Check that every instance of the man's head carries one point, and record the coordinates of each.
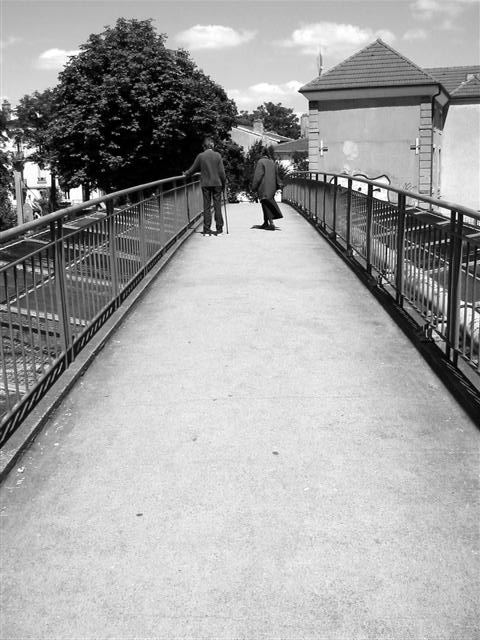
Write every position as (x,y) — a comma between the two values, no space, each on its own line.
(208,143)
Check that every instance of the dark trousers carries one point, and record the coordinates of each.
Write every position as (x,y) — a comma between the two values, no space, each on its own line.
(212,194)
(270,210)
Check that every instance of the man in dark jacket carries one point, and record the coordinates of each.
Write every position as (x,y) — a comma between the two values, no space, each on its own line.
(212,181)
(266,183)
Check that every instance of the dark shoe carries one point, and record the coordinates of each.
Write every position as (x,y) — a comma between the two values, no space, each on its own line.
(263,226)
(219,231)
(208,232)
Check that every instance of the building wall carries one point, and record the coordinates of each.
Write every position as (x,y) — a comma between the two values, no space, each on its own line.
(460,164)
(246,139)
(374,141)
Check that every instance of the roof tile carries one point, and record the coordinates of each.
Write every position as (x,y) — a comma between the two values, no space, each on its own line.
(377,65)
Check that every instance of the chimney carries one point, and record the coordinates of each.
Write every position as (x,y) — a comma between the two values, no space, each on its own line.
(7,109)
(258,126)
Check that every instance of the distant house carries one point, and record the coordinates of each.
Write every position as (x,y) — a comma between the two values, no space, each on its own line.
(34,182)
(246,136)
(379,115)
(286,151)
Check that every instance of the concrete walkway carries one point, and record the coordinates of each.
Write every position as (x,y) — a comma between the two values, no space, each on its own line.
(258,453)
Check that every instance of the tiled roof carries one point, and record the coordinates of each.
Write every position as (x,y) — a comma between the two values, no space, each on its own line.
(295,145)
(377,65)
(269,134)
(452,77)
(468,89)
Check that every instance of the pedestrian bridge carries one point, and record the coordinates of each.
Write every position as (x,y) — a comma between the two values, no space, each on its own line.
(257,449)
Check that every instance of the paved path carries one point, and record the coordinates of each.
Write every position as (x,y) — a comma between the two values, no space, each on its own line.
(258,453)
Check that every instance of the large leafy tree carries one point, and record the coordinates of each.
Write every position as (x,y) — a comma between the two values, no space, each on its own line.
(276,118)
(130,111)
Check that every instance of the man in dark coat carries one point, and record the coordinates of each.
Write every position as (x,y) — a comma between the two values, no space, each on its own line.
(266,183)
(212,181)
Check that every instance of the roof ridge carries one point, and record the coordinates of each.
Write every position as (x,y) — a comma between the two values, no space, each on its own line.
(473,80)
(407,60)
(339,67)
(463,66)
(340,64)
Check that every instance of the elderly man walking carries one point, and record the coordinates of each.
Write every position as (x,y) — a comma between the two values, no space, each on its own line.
(212,181)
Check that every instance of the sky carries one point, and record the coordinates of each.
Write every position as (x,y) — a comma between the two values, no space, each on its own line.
(257,50)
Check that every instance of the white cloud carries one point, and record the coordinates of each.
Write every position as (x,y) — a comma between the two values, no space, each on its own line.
(212,36)
(444,10)
(415,34)
(10,41)
(336,40)
(54,59)
(255,95)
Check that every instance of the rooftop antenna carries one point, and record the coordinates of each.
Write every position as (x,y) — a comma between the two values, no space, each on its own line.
(320,62)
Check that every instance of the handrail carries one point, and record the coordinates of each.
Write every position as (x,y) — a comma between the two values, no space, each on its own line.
(426,257)
(21,229)
(57,292)
(472,213)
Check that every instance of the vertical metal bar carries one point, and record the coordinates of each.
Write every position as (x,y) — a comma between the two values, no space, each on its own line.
(12,340)
(161,216)
(141,229)
(456,225)
(400,250)
(369,228)
(324,196)
(112,254)
(60,288)
(316,197)
(349,214)
(334,221)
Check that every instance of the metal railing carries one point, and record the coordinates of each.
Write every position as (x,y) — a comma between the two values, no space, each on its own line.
(62,276)
(422,250)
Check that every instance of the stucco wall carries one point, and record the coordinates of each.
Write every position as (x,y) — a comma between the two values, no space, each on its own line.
(373,141)
(460,169)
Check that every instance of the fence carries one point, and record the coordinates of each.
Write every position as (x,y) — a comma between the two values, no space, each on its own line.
(62,276)
(422,250)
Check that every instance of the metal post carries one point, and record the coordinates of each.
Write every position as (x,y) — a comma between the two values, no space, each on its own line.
(142,229)
(56,233)
(309,187)
(316,197)
(161,219)
(324,197)
(400,250)
(453,307)
(369,228)
(186,199)
(335,184)
(112,251)
(349,215)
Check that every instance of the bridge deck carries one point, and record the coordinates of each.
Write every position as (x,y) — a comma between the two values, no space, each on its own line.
(259,452)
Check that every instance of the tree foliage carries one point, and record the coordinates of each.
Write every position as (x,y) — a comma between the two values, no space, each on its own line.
(35,118)
(234,163)
(7,214)
(129,111)
(276,118)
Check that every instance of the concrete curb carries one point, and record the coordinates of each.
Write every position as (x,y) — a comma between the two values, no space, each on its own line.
(33,424)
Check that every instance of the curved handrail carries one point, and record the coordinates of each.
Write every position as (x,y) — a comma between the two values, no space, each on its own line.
(473,213)
(21,229)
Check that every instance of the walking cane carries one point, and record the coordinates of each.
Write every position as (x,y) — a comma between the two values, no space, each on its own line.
(225,208)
